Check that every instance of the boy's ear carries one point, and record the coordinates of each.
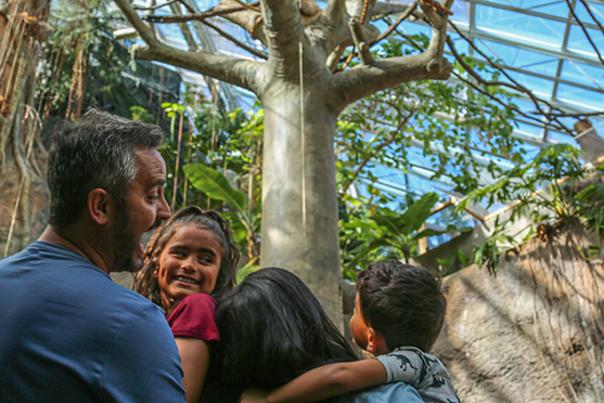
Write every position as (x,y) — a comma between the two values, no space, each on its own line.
(372,336)
(376,344)
(100,205)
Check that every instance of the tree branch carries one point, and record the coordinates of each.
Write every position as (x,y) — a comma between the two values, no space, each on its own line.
(572,115)
(335,11)
(241,72)
(362,9)
(381,10)
(184,29)
(488,83)
(285,31)
(536,121)
(591,14)
(359,41)
(173,19)
(585,31)
(156,7)
(377,150)
(518,87)
(395,24)
(237,42)
(250,19)
(362,81)
(143,30)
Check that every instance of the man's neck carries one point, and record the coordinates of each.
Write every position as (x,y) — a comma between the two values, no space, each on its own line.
(76,243)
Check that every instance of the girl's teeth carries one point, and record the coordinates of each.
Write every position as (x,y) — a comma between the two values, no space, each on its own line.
(186,280)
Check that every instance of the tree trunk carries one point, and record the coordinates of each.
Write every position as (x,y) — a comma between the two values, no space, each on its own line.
(299,211)
(299,190)
(24,193)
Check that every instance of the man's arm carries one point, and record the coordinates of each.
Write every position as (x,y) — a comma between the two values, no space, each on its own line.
(330,380)
(142,363)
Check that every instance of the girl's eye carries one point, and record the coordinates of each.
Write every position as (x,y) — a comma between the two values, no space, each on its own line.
(205,260)
(179,253)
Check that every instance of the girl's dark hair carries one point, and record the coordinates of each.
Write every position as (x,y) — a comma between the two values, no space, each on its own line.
(404,303)
(272,329)
(146,280)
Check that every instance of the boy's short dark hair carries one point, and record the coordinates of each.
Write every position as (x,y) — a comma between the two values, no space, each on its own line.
(402,302)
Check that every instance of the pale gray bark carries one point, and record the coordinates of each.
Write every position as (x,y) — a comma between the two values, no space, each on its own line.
(299,214)
(249,20)
(238,71)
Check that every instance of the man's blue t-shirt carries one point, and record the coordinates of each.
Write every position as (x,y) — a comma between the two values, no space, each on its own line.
(69,334)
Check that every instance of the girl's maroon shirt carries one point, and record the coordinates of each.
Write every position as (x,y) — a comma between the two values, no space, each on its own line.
(195,316)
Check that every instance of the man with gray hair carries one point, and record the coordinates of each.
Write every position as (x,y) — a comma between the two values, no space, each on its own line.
(69,333)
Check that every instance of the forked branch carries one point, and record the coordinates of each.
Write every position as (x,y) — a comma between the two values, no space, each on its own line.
(238,71)
(362,81)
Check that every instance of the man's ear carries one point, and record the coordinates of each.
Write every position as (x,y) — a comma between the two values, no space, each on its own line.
(376,344)
(100,206)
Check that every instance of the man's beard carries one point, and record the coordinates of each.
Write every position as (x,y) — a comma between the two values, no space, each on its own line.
(124,242)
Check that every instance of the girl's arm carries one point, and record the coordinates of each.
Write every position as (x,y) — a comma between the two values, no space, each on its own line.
(194,359)
(330,380)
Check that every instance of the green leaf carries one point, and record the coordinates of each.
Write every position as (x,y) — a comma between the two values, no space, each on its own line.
(215,185)
(417,213)
(427,233)
(364,249)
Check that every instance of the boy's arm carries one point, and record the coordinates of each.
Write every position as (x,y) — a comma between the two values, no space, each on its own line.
(403,365)
(330,380)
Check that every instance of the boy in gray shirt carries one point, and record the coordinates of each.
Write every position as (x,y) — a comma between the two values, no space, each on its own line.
(399,312)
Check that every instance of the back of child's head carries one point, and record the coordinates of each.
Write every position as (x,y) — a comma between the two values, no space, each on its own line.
(146,282)
(272,329)
(403,303)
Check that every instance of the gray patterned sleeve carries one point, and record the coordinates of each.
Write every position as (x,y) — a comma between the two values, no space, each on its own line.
(405,366)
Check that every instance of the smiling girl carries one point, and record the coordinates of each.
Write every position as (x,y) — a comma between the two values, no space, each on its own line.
(188,260)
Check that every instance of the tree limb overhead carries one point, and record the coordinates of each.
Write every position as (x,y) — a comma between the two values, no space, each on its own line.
(362,81)
(238,71)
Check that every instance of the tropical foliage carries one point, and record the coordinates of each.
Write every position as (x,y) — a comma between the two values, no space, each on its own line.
(214,156)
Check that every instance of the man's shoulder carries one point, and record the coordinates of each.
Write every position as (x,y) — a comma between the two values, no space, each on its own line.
(62,275)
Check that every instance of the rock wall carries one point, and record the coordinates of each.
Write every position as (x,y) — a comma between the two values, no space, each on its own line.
(532,333)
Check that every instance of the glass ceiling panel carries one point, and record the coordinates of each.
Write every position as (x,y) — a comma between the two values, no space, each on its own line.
(578,41)
(583,74)
(415,29)
(558,137)
(555,8)
(519,26)
(461,45)
(461,12)
(529,131)
(596,9)
(520,58)
(580,97)
(539,86)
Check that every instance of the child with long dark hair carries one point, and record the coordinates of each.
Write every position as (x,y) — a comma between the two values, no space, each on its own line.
(273,329)
(399,312)
(188,260)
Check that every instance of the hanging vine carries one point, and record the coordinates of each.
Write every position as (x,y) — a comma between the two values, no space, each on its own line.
(22,30)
